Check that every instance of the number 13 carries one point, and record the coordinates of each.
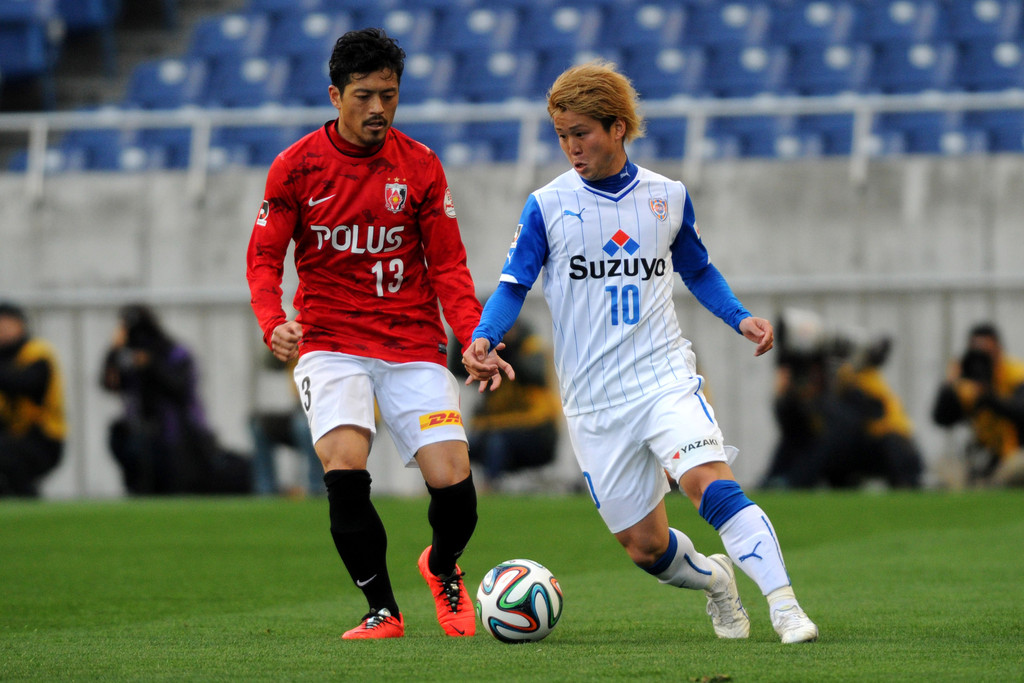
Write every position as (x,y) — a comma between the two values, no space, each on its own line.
(396,267)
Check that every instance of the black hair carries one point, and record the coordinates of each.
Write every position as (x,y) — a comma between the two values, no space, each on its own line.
(985,330)
(362,52)
(143,329)
(9,309)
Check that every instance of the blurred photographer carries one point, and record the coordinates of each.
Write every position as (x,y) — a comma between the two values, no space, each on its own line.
(32,426)
(162,441)
(986,388)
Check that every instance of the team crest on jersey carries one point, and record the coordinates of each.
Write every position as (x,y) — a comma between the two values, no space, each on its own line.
(261,217)
(395,195)
(659,207)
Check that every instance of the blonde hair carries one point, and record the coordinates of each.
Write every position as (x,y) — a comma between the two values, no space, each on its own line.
(597,89)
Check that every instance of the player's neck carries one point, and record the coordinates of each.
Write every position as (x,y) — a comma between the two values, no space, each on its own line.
(616,181)
(348,148)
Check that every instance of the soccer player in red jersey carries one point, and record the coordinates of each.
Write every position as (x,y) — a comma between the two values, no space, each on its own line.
(377,246)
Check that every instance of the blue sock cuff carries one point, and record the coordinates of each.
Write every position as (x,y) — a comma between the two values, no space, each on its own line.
(721,501)
(662,563)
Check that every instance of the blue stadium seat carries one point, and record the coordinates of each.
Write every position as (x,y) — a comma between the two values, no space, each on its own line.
(834,131)
(30,45)
(251,145)
(554,60)
(665,139)
(97,17)
(663,72)
(229,36)
(307,83)
(814,21)
(297,34)
(644,25)
(766,136)
(817,69)
(104,150)
(731,23)
(166,84)
(484,76)
(748,71)
(933,132)
(428,76)
(571,26)
(914,67)
(1004,129)
(415,28)
(479,28)
(903,21)
(991,65)
(246,82)
(276,9)
(166,148)
(499,140)
(988,19)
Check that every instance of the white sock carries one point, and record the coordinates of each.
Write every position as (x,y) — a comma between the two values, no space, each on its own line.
(687,568)
(750,540)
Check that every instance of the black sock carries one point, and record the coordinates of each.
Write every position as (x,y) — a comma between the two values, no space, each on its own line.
(452,516)
(359,535)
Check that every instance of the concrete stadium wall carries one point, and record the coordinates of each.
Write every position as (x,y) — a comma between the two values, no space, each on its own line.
(98,240)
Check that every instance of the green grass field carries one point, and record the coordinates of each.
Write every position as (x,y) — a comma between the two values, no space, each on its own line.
(918,586)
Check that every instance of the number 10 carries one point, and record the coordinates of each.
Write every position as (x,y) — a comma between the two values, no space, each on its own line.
(630,304)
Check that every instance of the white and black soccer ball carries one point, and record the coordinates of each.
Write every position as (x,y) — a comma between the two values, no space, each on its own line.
(519,601)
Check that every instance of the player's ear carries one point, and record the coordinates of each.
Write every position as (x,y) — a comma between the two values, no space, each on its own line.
(335,95)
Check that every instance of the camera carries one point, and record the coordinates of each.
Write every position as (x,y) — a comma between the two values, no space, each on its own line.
(976,365)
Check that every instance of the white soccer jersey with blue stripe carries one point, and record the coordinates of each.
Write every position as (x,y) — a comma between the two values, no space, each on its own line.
(608,262)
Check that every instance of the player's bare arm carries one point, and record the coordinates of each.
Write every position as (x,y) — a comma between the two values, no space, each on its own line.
(759,331)
(284,341)
(484,365)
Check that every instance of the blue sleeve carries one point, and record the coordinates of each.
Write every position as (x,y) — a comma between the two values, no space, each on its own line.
(529,249)
(690,259)
(714,293)
(500,312)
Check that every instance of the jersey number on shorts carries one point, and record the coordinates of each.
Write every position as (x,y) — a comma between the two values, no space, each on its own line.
(625,301)
(307,402)
(395,273)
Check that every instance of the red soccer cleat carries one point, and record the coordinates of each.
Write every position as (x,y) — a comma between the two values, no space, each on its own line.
(455,611)
(377,624)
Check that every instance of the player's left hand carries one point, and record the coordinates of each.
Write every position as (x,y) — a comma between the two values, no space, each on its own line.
(759,331)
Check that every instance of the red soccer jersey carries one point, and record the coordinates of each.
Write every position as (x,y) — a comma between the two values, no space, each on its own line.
(377,246)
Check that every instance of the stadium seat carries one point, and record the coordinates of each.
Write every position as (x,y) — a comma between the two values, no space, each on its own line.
(765,136)
(480,28)
(903,21)
(166,84)
(275,9)
(30,45)
(246,82)
(104,150)
(746,72)
(297,34)
(933,132)
(991,65)
(663,72)
(728,23)
(166,148)
(988,19)
(251,145)
(551,62)
(428,76)
(571,26)
(913,67)
(415,28)
(229,36)
(1004,129)
(499,140)
(665,139)
(97,17)
(645,25)
(484,76)
(815,22)
(817,69)
(307,82)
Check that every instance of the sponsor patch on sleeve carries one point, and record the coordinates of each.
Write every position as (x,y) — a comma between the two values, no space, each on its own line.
(449,203)
(261,217)
(444,417)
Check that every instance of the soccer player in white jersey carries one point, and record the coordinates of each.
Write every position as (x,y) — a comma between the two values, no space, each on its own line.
(607,234)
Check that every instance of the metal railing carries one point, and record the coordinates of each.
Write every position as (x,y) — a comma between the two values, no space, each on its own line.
(530,115)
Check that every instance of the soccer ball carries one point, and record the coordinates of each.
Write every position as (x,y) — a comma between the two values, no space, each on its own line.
(518,601)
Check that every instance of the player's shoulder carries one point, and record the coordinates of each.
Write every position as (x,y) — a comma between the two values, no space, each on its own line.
(568,181)
(410,146)
(646,175)
(308,142)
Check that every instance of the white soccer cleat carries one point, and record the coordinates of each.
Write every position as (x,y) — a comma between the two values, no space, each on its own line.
(793,626)
(724,605)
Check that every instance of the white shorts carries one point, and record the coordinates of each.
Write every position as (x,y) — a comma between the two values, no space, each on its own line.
(418,401)
(625,451)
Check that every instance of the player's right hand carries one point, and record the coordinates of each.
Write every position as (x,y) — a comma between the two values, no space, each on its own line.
(484,365)
(284,341)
